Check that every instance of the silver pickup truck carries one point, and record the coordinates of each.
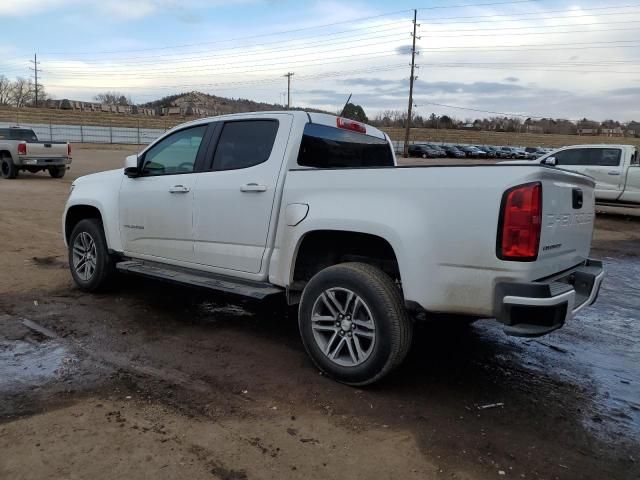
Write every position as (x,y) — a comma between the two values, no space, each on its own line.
(20,149)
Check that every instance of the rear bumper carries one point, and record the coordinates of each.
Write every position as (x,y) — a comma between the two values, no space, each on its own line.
(43,162)
(537,308)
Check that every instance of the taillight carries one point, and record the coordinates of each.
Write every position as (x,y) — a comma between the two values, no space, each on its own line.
(68,149)
(351,125)
(520,223)
(22,149)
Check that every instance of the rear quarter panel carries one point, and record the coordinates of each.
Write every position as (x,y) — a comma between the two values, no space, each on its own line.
(441,222)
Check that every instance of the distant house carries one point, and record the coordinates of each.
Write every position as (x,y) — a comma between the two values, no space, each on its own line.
(612,132)
(534,128)
(632,129)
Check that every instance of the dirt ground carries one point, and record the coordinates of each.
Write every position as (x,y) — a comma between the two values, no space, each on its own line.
(156,381)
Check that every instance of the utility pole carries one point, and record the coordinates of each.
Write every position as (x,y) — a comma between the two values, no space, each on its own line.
(411,79)
(289,75)
(35,71)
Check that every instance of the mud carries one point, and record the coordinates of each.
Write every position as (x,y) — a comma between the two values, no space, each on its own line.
(156,381)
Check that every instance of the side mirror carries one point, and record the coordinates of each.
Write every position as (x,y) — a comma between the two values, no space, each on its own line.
(551,161)
(131,169)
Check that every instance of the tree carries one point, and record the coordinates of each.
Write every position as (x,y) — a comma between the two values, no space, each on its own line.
(113,98)
(6,88)
(446,122)
(23,92)
(355,112)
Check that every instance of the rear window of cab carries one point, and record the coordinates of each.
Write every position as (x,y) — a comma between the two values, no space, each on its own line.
(329,147)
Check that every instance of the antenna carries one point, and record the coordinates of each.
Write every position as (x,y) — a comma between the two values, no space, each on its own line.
(345,105)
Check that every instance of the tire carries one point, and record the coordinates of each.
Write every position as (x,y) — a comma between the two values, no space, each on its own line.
(364,352)
(424,155)
(8,168)
(57,172)
(88,236)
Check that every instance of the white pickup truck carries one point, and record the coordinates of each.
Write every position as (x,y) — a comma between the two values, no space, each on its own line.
(615,168)
(313,208)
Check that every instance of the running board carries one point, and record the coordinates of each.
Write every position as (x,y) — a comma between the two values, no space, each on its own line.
(211,281)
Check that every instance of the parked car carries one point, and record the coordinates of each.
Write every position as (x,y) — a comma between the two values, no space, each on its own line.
(512,152)
(497,152)
(534,152)
(437,148)
(312,209)
(486,152)
(20,150)
(470,151)
(454,152)
(423,150)
(615,168)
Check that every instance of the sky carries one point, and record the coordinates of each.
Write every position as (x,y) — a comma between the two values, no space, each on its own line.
(534,58)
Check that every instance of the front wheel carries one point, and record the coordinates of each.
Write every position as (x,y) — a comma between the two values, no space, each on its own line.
(354,324)
(92,268)
(7,168)
(57,172)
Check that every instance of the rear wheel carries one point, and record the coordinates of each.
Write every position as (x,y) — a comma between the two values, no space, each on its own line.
(8,168)
(92,267)
(424,155)
(353,323)
(57,172)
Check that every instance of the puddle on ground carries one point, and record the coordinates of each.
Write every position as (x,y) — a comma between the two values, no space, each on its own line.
(599,350)
(25,365)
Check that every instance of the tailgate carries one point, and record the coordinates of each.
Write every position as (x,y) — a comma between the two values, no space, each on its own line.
(46,150)
(568,214)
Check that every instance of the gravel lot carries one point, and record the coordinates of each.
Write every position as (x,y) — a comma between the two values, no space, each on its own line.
(156,381)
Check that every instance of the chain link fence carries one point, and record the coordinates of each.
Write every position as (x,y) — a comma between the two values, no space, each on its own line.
(91,133)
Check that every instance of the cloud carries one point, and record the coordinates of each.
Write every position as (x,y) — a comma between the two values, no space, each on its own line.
(511,79)
(404,50)
(630,91)
(118,9)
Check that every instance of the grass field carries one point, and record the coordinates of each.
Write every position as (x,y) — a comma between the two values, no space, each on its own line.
(69,117)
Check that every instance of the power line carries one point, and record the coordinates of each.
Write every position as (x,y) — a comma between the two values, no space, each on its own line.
(468,5)
(201,59)
(533,33)
(539,12)
(506,114)
(354,45)
(233,68)
(600,24)
(512,20)
(250,82)
(371,33)
(235,39)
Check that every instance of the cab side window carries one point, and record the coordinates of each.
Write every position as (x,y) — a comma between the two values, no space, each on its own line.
(599,157)
(244,144)
(176,154)
(635,158)
(606,157)
(570,157)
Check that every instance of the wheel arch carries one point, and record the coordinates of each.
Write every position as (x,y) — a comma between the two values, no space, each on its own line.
(319,249)
(75,214)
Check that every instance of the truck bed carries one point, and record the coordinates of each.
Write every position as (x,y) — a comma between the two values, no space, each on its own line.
(452,213)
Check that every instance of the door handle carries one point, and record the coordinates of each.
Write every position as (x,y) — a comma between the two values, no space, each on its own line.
(179,189)
(253,187)
(613,172)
